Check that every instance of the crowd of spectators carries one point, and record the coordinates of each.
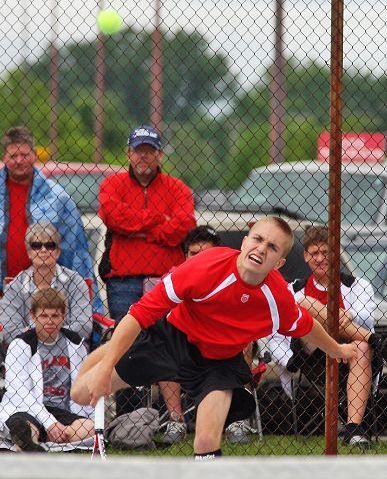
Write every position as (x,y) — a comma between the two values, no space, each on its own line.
(151,229)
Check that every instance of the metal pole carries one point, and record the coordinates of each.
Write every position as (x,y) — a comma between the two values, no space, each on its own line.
(24,83)
(99,94)
(277,89)
(54,84)
(156,72)
(331,404)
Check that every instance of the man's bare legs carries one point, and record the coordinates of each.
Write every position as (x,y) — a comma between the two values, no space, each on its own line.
(176,427)
(210,419)
(171,393)
(359,383)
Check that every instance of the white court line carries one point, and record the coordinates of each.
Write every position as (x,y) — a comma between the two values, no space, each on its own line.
(27,466)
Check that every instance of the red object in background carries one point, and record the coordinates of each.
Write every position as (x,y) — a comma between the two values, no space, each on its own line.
(356,147)
(257,372)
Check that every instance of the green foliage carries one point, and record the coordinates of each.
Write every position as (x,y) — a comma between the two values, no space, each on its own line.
(192,157)
(193,74)
(205,149)
(301,136)
(250,150)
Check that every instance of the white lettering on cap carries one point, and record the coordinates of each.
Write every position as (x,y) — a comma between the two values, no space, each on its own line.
(143,132)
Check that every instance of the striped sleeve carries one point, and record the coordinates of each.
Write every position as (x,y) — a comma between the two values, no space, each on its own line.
(295,320)
(153,306)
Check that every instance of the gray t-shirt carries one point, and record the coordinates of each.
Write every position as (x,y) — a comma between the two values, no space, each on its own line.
(56,373)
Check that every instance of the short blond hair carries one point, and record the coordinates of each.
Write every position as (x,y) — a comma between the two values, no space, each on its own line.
(283,226)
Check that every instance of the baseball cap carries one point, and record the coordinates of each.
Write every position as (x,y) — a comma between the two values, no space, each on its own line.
(145,134)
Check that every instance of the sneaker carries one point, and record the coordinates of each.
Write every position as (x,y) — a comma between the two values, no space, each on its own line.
(175,432)
(355,436)
(239,432)
(21,435)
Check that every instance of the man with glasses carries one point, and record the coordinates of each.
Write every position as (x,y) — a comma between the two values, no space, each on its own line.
(148,215)
(357,306)
(26,197)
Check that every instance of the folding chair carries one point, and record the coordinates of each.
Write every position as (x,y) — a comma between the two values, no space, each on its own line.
(311,380)
(257,373)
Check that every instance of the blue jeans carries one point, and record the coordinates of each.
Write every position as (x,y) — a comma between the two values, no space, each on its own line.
(122,293)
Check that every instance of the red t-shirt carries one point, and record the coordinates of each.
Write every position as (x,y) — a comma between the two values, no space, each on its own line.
(318,293)
(17,258)
(217,310)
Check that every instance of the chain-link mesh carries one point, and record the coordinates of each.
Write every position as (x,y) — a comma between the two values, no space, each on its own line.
(239,92)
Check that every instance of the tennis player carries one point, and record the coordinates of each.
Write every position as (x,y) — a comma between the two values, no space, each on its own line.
(220,301)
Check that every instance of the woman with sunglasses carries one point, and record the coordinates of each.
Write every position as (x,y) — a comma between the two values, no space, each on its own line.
(43,249)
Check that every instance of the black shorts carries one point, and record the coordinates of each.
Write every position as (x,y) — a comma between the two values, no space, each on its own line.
(61,415)
(163,353)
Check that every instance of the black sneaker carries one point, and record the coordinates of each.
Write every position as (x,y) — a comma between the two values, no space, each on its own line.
(21,435)
(355,436)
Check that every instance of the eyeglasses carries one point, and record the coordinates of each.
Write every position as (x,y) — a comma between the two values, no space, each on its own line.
(49,245)
(317,253)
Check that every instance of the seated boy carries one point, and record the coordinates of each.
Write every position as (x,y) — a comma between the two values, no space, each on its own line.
(41,365)
(356,325)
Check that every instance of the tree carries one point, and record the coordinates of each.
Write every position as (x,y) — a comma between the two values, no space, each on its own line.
(194,75)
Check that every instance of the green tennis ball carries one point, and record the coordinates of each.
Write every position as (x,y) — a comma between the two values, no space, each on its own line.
(109,21)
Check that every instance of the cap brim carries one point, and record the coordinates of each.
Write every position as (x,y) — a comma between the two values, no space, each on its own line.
(144,141)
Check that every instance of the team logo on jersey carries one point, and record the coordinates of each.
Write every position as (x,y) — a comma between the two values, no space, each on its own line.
(245,298)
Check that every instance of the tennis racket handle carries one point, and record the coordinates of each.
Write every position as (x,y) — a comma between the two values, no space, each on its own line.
(99,414)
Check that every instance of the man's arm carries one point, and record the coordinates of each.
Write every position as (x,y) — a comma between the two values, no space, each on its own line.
(179,220)
(347,329)
(320,338)
(120,216)
(95,377)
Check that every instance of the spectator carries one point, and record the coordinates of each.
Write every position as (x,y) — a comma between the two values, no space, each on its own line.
(26,197)
(41,365)
(147,214)
(356,325)
(43,246)
(199,239)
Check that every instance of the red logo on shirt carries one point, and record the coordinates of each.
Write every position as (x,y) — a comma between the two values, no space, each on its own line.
(245,298)
(56,361)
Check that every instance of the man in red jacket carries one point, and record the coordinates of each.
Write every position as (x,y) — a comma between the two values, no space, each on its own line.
(219,301)
(148,215)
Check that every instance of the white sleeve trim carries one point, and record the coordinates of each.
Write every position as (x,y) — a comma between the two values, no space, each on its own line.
(273,308)
(170,290)
(224,284)
(295,324)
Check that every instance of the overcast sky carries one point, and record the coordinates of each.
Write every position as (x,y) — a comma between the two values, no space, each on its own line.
(242,28)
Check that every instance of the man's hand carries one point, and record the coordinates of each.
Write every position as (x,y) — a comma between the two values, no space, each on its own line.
(57,433)
(100,382)
(345,353)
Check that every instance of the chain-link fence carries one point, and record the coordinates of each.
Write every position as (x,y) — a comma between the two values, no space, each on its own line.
(222,111)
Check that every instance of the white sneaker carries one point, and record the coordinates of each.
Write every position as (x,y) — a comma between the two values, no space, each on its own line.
(175,432)
(239,432)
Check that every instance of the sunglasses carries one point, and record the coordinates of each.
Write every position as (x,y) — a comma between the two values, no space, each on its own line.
(49,245)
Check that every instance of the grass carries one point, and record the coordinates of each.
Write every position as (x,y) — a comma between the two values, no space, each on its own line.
(270,446)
